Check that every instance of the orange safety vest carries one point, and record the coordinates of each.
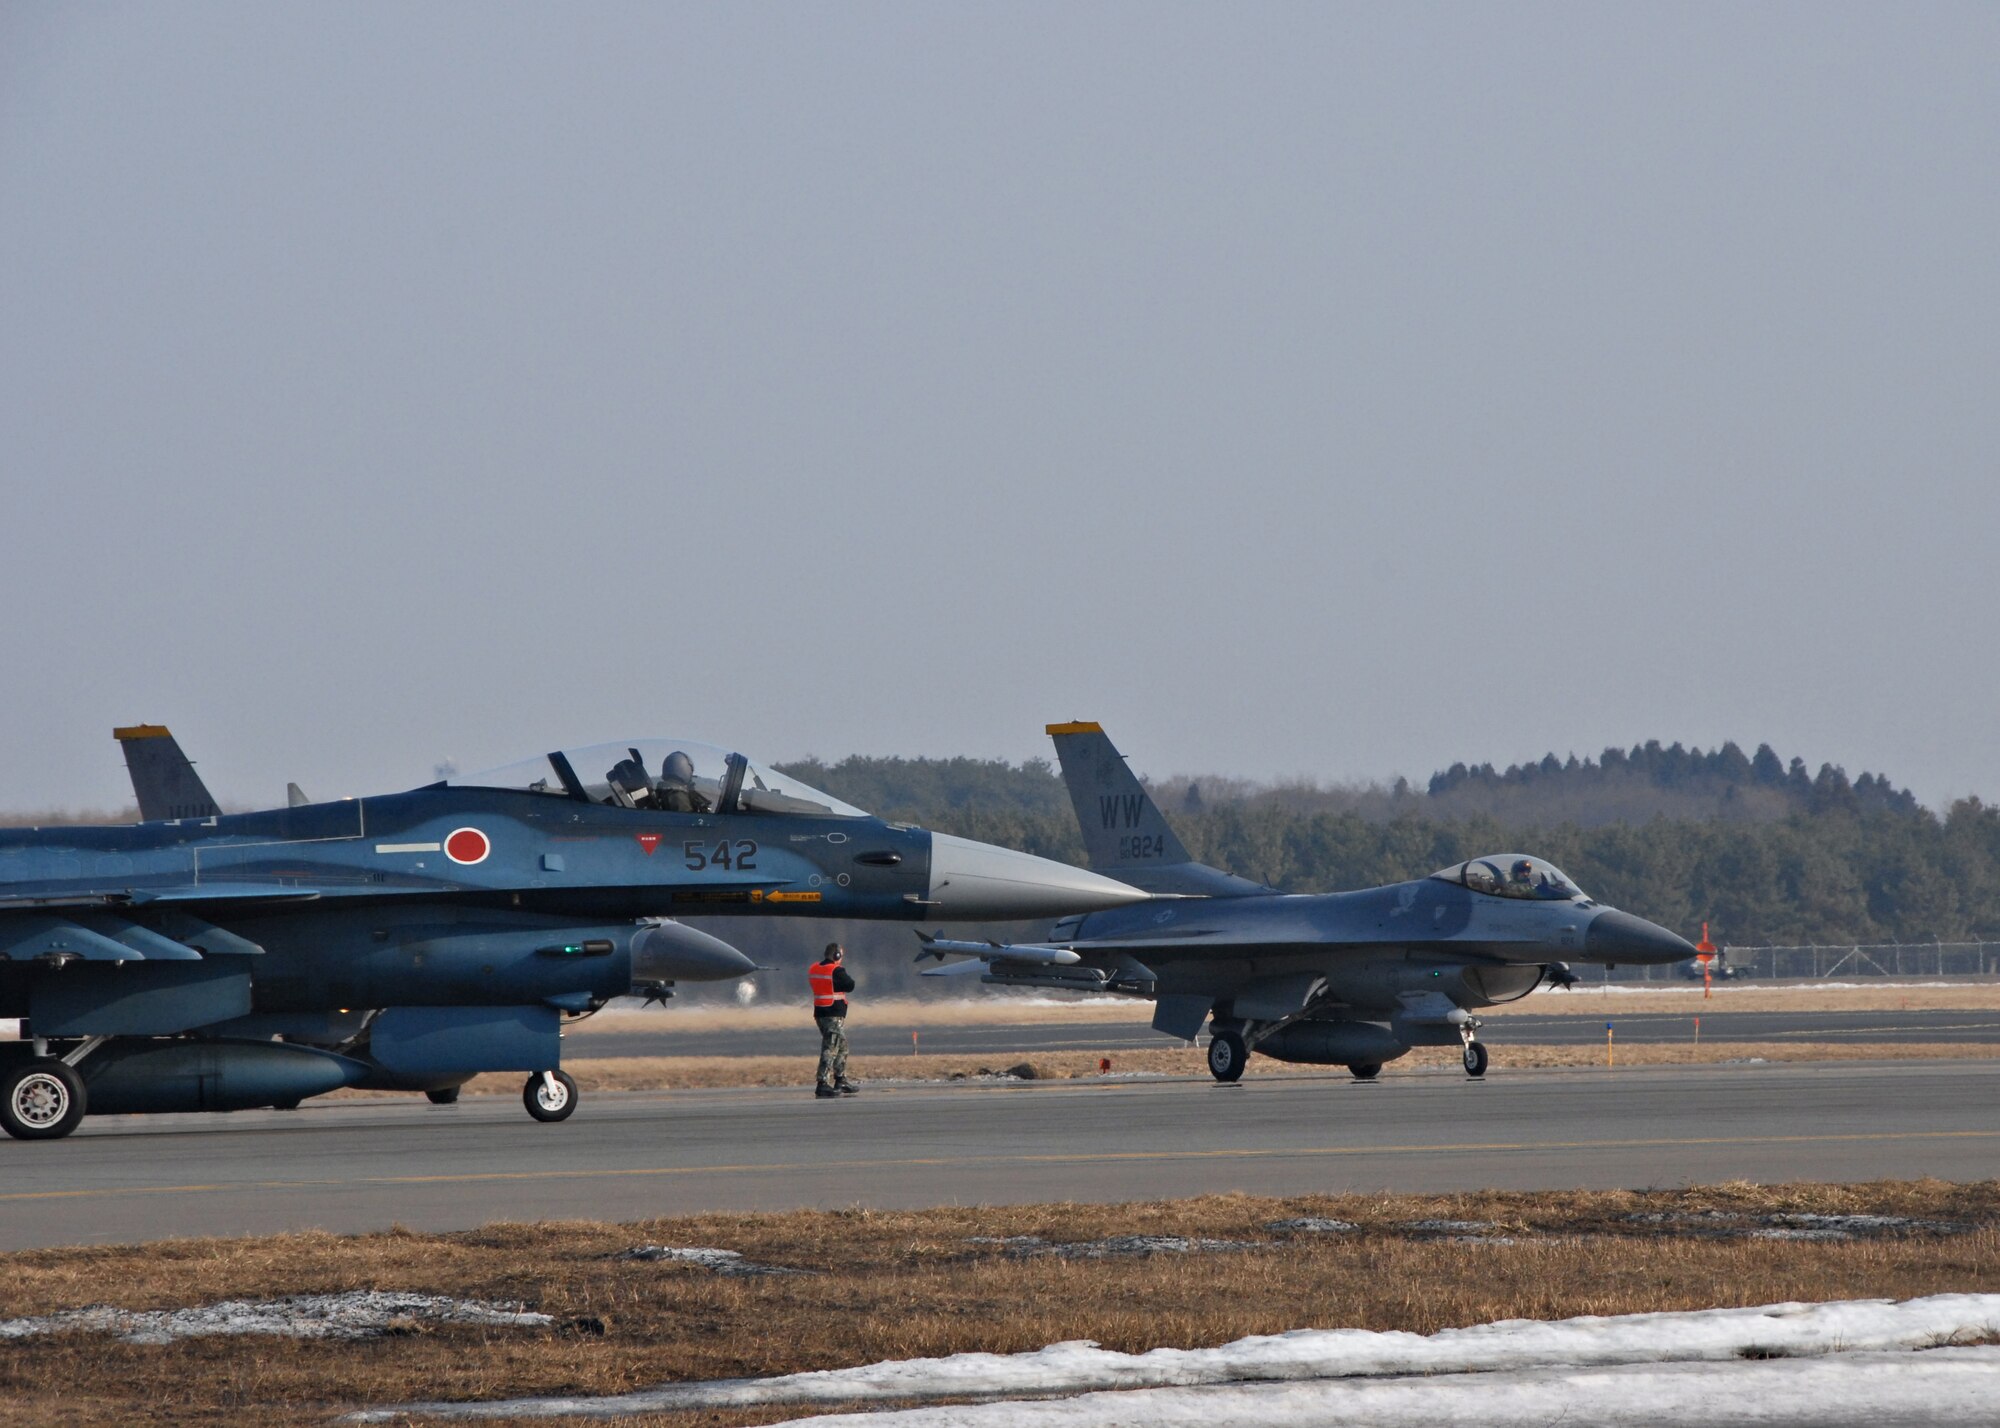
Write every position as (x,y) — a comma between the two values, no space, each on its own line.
(821,974)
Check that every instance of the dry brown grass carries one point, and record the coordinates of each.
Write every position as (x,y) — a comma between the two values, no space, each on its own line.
(898,1284)
(692,1073)
(1911,994)
(1005,1009)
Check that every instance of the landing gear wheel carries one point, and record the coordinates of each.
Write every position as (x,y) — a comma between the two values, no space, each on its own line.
(43,1100)
(1475,1059)
(448,1096)
(550,1095)
(1226,1055)
(1367,1070)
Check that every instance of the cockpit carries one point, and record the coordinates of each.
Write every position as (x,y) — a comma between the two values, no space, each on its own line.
(669,775)
(1513,875)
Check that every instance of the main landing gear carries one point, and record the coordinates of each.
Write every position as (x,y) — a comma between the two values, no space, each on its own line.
(1227,1054)
(41,1100)
(550,1095)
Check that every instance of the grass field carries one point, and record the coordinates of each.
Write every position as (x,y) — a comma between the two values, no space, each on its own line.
(899,1284)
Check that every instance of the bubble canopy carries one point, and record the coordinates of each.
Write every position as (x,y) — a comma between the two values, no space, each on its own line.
(1515,875)
(674,775)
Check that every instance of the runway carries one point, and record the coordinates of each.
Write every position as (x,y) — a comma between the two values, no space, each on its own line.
(868,1038)
(358,1165)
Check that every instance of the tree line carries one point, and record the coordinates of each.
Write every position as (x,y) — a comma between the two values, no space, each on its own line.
(1800,857)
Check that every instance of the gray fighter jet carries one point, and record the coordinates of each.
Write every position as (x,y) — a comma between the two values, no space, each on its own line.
(1350,979)
(209,961)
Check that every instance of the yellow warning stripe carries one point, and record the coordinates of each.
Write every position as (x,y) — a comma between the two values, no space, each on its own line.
(1080,727)
(141,731)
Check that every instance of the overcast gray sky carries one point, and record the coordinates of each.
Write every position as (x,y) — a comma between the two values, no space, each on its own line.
(1339,390)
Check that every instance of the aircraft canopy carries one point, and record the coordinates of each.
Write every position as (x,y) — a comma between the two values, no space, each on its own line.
(1512,875)
(673,775)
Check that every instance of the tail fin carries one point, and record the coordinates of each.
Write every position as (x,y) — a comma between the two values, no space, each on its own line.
(165,782)
(1124,832)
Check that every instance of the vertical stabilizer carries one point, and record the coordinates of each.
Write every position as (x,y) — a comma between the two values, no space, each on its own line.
(164,781)
(1124,831)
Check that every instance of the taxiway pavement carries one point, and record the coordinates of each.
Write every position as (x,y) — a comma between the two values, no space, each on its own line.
(359,1165)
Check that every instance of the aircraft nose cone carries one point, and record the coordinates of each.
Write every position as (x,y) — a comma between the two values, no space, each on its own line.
(978,880)
(1615,936)
(669,952)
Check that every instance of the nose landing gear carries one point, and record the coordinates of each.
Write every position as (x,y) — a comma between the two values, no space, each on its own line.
(1475,1051)
(550,1095)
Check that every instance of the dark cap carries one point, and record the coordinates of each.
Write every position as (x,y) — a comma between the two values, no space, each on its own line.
(834,952)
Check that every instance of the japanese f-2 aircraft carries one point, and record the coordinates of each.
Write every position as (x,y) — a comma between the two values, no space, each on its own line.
(209,961)
(1350,979)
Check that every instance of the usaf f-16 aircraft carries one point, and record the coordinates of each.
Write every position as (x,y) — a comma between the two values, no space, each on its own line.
(209,961)
(1351,979)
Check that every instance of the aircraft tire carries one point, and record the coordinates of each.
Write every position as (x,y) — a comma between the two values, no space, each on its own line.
(1366,1070)
(1226,1055)
(43,1100)
(1475,1059)
(546,1103)
(448,1095)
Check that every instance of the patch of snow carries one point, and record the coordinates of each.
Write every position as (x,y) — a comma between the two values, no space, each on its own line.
(1449,1227)
(360,1314)
(1127,1247)
(1945,1388)
(722,1261)
(1312,1225)
(1546,1354)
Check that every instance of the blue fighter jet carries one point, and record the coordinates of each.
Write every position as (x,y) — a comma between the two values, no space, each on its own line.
(1351,979)
(210,961)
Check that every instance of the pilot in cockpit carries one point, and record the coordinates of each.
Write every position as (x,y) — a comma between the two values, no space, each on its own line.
(675,792)
(1522,881)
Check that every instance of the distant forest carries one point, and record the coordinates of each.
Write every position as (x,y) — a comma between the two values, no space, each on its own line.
(1761,848)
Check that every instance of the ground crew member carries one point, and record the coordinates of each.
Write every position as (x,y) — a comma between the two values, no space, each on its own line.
(830,985)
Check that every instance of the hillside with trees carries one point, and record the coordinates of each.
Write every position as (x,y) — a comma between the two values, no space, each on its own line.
(1762,848)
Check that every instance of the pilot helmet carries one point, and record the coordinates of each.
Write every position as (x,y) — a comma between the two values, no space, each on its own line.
(678,768)
(1523,869)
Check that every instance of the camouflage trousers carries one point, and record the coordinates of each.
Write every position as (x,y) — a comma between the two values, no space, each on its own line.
(832,1050)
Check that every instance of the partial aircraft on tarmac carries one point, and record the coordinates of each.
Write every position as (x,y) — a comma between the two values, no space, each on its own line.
(203,960)
(1352,979)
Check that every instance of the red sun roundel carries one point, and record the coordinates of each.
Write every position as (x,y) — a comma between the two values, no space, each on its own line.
(467,845)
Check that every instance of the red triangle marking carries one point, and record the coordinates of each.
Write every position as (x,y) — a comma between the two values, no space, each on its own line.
(648,841)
